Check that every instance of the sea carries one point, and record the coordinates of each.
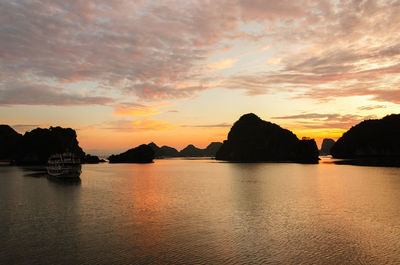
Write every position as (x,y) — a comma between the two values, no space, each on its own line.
(177,211)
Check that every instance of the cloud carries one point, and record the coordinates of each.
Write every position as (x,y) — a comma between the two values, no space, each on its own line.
(261,10)
(342,48)
(139,125)
(310,116)
(219,125)
(320,120)
(371,82)
(154,92)
(383,95)
(372,107)
(266,83)
(267,47)
(34,94)
(121,45)
(146,50)
(274,60)
(135,109)
(222,64)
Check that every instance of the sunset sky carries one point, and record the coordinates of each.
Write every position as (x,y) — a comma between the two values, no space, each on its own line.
(123,73)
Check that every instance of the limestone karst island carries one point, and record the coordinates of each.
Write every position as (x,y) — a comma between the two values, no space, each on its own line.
(250,139)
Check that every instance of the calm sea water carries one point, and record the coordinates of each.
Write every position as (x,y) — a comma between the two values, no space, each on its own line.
(202,211)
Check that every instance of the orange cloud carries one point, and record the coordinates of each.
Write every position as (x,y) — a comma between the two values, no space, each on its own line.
(148,124)
(139,110)
(139,125)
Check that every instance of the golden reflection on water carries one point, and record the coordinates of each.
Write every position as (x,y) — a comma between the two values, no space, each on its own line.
(208,211)
(203,211)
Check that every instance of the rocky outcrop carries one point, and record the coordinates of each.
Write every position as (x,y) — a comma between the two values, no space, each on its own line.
(9,141)
(92,159)
(188,151)
(191,151)
(141,154)
(212,149)
(36,146)
(157,150)
(164,151)
(169,151)
(378,139)
(254,140)
(326,146)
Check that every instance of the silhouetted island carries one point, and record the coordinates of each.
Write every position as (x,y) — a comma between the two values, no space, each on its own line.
(326,146)
(212,149)
(92,159)
(36,146)
(372,142)
(164,151)
(169,151)
(9,140)
(141,154)
(254,140)
(188,151)
(191,151)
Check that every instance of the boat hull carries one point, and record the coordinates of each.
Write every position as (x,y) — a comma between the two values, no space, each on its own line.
(65,166)
(66,173)
(5,163)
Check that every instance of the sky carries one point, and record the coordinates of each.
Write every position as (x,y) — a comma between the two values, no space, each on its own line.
(122,73)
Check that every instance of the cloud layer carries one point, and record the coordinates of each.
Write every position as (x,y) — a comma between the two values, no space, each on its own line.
(328,121)
(139,48)
(160,50)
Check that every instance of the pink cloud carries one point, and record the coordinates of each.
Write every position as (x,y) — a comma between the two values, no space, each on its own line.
(33,94)
(147,49)
(261,10)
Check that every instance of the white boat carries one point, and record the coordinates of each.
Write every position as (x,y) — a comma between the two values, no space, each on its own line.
(65,165)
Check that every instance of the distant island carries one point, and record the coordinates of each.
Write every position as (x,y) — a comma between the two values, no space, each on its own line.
(164,151)
(147,153)
(188,151)
(92,159)
(326,146)
(36,146)
(141,154)
(252,139)
(371,142)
